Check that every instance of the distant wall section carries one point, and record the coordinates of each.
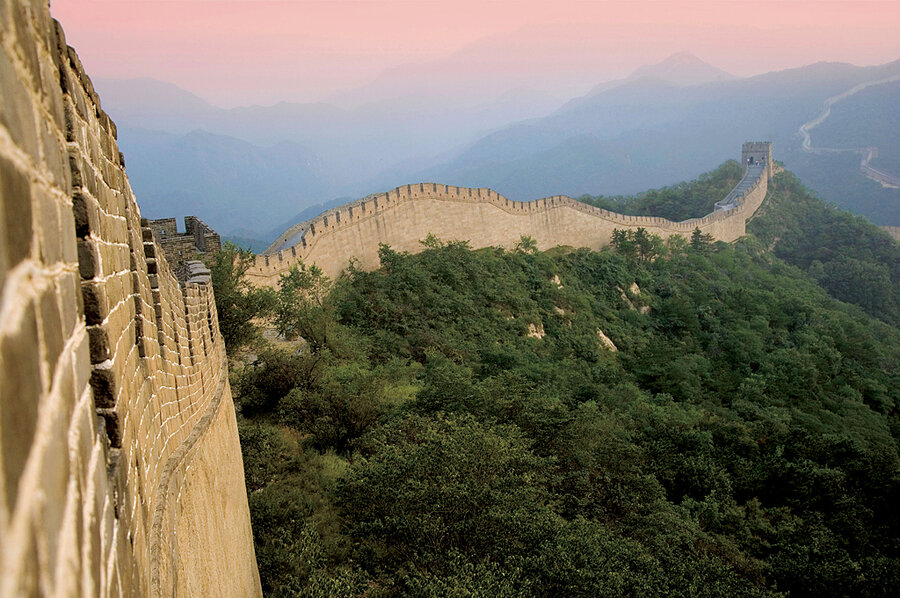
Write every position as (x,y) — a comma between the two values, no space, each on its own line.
(198,241)
(404,216)
(120,469)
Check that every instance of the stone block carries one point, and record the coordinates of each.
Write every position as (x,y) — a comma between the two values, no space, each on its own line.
(112,426)
(82,441)
(99,344)
(15,193)
(26,43)
(17,108)
(20,394)
(4,261)
(88,258)
(51,86)
(54,475)
(96,303)
(49,226)
(55,156)
(51,325)
(103,384)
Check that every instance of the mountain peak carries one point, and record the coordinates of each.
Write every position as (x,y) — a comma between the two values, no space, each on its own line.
(683,68)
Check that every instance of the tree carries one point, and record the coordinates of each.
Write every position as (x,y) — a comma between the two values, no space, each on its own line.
(238,302)
(303,309)
(526,244)
(700,241)
(638,244)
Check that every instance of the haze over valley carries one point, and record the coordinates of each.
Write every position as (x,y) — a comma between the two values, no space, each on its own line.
(664,123)
(597,98)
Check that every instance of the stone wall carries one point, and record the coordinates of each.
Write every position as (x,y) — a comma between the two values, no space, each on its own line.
(893,231)
(406,215)
(120,468)
(198,240)
(760,152)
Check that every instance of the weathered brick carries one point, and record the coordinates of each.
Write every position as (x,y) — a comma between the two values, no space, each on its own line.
(51,87)
(59,54)
(29,580)
(51,326)
(4,262)
(112,426)
(68,242)
(103,383)
(26,43)
(99,343)
(16,108)
(54,475)
(15,193)
(20,394)
(67,289)
(88,258)
(96,303)
(48,225)
(55,156)
(85,213)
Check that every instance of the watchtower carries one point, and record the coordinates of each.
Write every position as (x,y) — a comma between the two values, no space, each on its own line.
(757,152)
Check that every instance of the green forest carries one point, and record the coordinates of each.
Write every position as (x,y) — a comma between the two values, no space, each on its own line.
(681,418)
(693,199)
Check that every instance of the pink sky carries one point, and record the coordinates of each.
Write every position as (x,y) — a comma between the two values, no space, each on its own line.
(259,51)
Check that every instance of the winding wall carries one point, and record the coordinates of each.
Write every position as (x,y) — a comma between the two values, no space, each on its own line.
(404,216)
(120,467)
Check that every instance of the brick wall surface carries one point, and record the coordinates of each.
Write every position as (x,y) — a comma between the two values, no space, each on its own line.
(404,216)
(120,469)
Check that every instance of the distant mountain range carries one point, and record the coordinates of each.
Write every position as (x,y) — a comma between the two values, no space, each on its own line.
(646,132)
(664,123)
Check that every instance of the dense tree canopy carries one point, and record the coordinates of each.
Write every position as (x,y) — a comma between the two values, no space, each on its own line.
(853,260)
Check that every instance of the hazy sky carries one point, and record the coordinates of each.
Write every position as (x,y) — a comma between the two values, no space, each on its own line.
(235,52)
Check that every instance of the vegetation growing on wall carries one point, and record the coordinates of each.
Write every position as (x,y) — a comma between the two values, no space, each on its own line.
(454,424)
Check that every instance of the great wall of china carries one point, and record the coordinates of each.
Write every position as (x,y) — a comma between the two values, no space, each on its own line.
(404,216)
(867,154)
(120,465)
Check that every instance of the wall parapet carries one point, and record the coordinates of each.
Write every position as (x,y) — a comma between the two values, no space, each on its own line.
(114,371)
(302,241)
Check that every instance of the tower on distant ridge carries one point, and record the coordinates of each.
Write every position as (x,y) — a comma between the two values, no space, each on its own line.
(757,152)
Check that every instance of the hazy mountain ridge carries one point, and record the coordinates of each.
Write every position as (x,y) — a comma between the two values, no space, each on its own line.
(665,130)
(223,179)
(653,128)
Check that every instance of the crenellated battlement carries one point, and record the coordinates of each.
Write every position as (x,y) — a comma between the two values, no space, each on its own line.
(404,215)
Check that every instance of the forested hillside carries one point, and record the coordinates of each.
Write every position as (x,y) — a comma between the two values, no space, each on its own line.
(677,202)
(682,419)
(853,260)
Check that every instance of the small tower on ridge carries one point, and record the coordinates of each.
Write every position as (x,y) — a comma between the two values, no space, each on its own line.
(757,152)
